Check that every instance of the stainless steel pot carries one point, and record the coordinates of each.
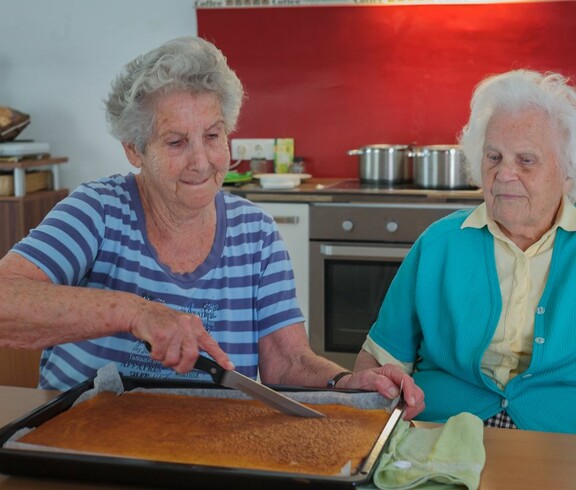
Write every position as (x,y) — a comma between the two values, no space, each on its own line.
(439,167)
(384,164)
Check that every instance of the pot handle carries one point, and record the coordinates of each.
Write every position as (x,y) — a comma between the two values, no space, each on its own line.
(413,153)
(355,152)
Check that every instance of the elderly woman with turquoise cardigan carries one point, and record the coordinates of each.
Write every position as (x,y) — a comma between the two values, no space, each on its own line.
(482,312)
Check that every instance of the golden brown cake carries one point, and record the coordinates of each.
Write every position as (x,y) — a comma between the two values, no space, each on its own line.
(214,432)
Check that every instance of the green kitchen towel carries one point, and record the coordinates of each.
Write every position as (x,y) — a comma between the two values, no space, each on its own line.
(445,457)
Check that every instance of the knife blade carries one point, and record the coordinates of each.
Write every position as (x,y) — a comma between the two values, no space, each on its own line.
(237,381)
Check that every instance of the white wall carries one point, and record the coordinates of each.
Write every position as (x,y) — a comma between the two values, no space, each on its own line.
(57,59)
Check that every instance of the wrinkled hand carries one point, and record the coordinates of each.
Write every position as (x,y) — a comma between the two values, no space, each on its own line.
(386,380)
(176,338)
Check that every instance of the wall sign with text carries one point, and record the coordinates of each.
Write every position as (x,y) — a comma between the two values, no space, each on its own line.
(342,3)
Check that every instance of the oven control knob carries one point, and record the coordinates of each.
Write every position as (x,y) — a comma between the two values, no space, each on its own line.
(391,226)
(347,225)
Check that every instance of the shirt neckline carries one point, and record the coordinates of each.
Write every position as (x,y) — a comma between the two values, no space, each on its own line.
(216,250)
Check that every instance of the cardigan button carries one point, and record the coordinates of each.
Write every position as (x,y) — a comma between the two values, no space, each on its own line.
(539,340)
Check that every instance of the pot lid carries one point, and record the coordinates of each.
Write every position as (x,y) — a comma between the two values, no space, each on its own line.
(437,148)
(377,148)
(384,146)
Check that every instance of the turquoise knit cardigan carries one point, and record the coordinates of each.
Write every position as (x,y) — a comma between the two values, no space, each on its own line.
(441,313)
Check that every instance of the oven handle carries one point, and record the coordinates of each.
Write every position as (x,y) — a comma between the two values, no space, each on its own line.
(364,252)
(286,220)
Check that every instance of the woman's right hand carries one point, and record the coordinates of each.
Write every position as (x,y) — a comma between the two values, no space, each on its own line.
(176,338)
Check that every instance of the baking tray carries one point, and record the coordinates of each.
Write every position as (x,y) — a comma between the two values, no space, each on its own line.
(107,469)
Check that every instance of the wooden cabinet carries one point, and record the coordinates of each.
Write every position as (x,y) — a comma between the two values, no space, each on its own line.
(17,216)
(293,222)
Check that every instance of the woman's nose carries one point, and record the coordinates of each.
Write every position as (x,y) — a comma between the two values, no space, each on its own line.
(198,156)
(507,170)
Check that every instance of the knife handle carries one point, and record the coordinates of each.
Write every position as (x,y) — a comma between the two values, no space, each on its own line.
(211,367)
(203,364)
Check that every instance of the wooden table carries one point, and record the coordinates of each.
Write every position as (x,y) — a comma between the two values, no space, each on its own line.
(514,459)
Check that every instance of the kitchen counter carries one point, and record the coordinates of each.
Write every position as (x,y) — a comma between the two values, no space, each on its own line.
(347,190)
(514,458)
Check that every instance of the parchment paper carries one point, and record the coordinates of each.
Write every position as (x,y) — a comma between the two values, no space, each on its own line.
(108,379)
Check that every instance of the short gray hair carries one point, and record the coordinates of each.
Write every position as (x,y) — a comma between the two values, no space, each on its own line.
(187,64)
(514,91)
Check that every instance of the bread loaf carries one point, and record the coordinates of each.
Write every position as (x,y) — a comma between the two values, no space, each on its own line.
(12,122)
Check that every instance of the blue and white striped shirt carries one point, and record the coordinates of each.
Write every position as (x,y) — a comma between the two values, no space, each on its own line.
(96,238)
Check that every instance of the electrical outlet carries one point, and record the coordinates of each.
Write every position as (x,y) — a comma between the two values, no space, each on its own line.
(248,148)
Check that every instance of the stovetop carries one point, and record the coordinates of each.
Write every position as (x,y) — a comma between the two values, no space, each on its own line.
(352,190)
(357,185)
(399,188)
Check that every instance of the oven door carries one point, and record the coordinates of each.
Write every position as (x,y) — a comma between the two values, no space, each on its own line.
(348,281)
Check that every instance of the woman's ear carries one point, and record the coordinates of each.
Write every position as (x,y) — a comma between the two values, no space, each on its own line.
(568,185)
(133,155)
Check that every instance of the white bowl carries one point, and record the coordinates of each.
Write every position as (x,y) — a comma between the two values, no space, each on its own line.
(281,181)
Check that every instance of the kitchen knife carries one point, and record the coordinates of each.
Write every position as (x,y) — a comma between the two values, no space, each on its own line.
(237,381)
(233,379)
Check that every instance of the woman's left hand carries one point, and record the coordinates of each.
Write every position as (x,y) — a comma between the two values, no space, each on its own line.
(387,381)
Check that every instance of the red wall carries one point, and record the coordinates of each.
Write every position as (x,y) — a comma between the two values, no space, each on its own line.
(336,78)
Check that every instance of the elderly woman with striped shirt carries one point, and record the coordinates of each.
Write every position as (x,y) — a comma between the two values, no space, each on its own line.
(163,256)
(482,311)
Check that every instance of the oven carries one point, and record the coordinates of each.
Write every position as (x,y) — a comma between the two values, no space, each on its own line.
(355,252)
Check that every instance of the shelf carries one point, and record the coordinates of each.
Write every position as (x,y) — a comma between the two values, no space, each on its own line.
(22,212)
(19,169)
(32,163)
